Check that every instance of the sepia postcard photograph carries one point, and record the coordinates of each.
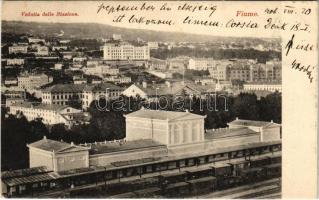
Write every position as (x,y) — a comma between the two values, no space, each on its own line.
(159,99)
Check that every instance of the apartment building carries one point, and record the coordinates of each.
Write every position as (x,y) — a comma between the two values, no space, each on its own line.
(125,51)
(32,81)
(84,94)
(18,49)
(50,114)
(263,86)
(200,63)
(42,51)
(15,61)
(101,70)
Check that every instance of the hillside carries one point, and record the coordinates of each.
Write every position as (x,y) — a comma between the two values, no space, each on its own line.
(93,30)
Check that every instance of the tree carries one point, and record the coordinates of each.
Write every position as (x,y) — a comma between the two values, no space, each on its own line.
(245,106)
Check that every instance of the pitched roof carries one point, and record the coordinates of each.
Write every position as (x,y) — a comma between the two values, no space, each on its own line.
(100,87)
(71,88)
(162,114)
(226,132)
(242,122)
(53,107)
(55,146)
(175,88)
(107,147)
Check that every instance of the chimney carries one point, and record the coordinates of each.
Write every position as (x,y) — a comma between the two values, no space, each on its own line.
(144,83)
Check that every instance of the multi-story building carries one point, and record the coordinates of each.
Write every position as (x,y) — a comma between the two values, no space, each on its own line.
(161,74)
(177,64)
(101,70)
(220,71)
(32,81)
(153,45)
(118,79)
(126,51)
(84,94)
(205,81)
(15,61)
(63,94)
(200,63)
(271,71)
(117,37)
(50,114)
(42,51)
(275,65)
(59,48)
(18,49)
(10,81)
(239,72)
(35,40)
(79,59)
(157,64)
(95,91)
(264,86)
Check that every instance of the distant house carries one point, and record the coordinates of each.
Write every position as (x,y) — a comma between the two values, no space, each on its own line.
(15,61)
(50,114)
(200,63)
(18,49)
(32,81)
(172,89)
(43,51)
(263,86)
(11,81)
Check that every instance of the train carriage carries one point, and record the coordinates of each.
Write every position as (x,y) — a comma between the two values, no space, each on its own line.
(180,188)
(203,185)
(251,175)
(275,159)
(127,195)
(198,172)
(260,161)
(148,192)
(239,165)
(273,170)
(167,178)
(221,169)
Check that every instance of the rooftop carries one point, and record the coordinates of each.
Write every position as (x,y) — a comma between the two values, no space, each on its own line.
(242,122)
(54,146)
(109,147)
(77,88)
(53,107)
(263,83)
(174,88)
(161,114)
(71,88)
(226,132)
(23,172)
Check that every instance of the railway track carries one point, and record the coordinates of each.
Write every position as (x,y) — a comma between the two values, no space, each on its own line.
(265,188)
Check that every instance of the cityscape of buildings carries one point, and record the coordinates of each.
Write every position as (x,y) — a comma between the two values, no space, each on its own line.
(57,81)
